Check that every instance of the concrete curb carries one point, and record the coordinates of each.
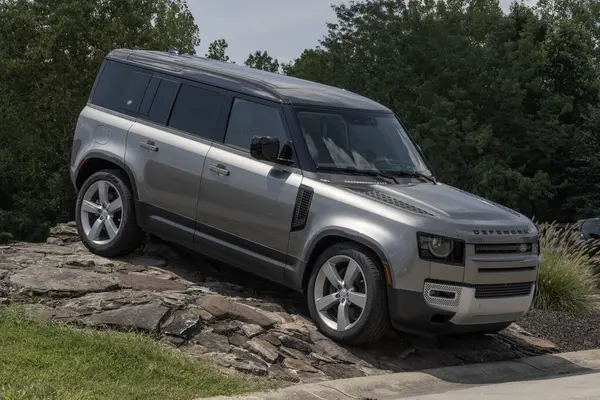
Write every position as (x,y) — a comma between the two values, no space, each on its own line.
(403,384)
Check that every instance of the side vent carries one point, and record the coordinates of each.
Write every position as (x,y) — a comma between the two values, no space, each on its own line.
(390,201)
(302,208)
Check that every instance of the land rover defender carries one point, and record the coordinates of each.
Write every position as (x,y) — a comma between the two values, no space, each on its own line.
(311,186)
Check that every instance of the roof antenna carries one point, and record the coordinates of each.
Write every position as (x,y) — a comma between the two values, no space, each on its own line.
(173,50)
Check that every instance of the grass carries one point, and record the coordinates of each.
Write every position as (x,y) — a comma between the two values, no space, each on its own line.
(50,361)
(567,275)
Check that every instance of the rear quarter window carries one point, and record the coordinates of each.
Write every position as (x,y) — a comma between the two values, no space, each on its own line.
(197,111)
(121,87)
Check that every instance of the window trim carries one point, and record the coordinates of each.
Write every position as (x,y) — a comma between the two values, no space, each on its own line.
(220,120)
(301,157)
(134,68)
(286,129)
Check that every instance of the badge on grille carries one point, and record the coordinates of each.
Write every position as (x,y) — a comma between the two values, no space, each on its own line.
(523,248)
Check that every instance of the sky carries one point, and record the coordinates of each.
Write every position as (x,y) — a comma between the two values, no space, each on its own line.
(284,28)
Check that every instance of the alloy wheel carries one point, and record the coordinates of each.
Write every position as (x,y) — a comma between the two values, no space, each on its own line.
(340,293)
(101,212)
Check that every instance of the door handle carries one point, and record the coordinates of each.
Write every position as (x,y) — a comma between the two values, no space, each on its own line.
(219,169)
(149,145)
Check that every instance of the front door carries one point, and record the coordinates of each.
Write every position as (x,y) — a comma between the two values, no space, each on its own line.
(167,149)
(245,206)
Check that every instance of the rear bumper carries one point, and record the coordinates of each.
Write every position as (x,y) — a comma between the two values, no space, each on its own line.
(473,308)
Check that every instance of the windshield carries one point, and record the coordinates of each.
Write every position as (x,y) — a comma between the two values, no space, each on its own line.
(359,140)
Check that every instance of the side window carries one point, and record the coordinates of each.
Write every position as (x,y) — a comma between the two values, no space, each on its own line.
(248,119)
(196,111)
(121,88)
(163,101)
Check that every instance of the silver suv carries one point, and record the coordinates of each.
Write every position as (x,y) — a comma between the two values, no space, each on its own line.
(310,186)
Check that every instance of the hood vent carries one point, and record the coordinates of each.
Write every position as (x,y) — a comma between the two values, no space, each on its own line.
(508,210)
(366,183)
(389,200)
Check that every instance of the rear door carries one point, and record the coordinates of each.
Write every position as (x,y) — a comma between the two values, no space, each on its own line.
(167,148)
(245,206)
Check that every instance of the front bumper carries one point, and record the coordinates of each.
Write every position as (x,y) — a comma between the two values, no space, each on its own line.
(483,307)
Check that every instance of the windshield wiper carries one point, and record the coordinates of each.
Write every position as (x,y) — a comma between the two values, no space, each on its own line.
(356,171)
(413,174)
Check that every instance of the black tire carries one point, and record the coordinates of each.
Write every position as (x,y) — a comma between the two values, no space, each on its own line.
(374,321)
(129,236)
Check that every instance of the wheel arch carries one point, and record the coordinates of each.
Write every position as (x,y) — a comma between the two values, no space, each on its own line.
(330,237)
(95,162)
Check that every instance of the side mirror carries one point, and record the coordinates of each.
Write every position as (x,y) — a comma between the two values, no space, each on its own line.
(264,148)
(267,148)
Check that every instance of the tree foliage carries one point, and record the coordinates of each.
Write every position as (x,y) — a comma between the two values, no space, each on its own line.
(50,52)
(262,60)
(217,50)
(505,105)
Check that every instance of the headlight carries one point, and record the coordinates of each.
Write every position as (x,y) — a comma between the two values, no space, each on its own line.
(440,249)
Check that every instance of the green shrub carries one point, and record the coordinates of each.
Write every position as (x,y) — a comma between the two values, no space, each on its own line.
(6,237)
(567,276)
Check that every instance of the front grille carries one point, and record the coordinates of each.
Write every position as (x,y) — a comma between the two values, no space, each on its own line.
(503,290)
(504,248)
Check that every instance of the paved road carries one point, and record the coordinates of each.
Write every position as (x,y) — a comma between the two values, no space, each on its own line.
(577,387)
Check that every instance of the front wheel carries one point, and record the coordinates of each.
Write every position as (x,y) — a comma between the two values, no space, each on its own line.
(347,295)
(105,215)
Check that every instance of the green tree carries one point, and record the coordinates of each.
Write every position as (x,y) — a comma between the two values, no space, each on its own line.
(499,102)
(217,50)
(50,52)
(262,60)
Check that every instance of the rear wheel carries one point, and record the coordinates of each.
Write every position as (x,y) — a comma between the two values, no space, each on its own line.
(105,215)
(347,295)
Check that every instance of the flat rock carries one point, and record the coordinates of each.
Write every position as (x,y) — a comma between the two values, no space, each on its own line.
(251,330)
(265,349)
(278,372)
(297,330)
(295,343)
(38,312)
(140,281)
(43,280)
(212,341)
(242,361)
(222,307)
(293,353)
(341,371)
(271,338)
(144,317)
(327,347)
(194,350)
(181,322)
(298,365)
(104,301)
(238,340)
(321,357)
(523,338)
(147,261)
(224,328)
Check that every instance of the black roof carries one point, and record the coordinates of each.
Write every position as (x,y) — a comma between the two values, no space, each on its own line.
(243,79)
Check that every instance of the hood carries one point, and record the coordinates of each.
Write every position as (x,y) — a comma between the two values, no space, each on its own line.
(442,201)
